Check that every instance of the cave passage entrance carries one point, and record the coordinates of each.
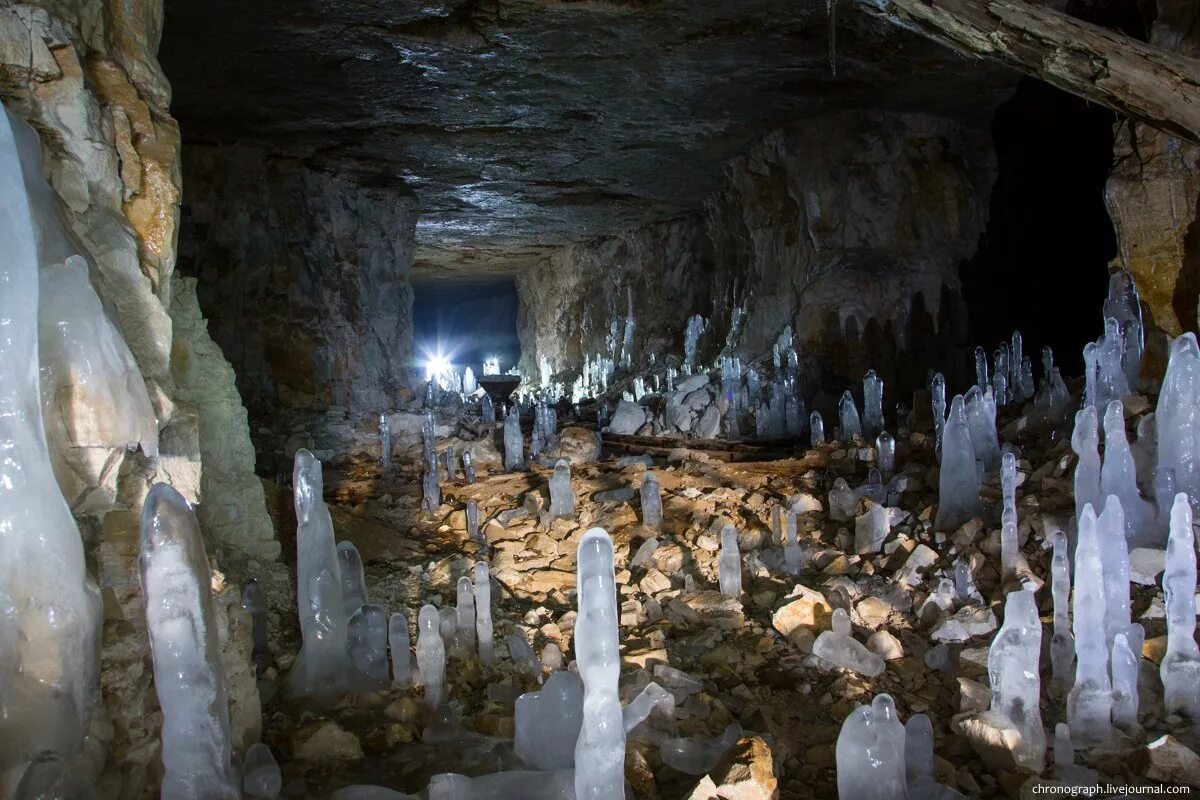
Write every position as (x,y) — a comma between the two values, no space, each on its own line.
(1042,265)
(465,322)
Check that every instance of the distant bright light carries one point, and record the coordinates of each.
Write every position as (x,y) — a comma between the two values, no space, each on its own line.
(492,366)
(437,367)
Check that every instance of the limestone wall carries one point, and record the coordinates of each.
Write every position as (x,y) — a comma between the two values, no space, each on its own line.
(84,75)
(849,227)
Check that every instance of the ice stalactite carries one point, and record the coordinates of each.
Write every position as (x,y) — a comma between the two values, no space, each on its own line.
(188,678)
(49,607)
(1180,667)
(600,749)
(1089,705)
(1015,681)
(958,486)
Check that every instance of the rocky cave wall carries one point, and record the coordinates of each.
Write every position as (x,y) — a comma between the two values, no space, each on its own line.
(85,76)
(1153,198)
(849,227)
(304,276)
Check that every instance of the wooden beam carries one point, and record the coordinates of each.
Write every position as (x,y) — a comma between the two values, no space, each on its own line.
(1131,77)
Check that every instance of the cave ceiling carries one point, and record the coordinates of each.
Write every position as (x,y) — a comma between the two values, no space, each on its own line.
(522,125)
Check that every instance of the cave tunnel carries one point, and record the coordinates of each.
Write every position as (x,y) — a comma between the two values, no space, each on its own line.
(561,400)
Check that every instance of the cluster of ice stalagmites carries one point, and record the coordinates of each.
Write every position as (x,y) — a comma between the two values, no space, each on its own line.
(49,607)
(188,677)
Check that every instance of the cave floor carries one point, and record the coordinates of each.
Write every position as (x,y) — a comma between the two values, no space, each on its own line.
(671,613)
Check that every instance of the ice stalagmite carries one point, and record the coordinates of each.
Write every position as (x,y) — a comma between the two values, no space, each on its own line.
(465,608)
(1124,305)
(885,449)
(188,679)
(1124,669)
(1089,704)
(651,497)
(50,777)
(848,417)
(1085,441)
(431,655)
(1177,417)
(1118,477)
(323,665)
(468,467)
(487,410)
(261,778)
(1062,642)
(693,755)
(514,455)
(354,582)
(981,422)
(367,641)
(1111,383)
(729,563)
(1180,667)
(49,609)
(871,753)
(547,723)
(600,749)
(562,496)
(872,419)
(483,612)
(385,442)
(958,484)
(981,367)
(918,750)
(816,428)
(399,644)
(937,395)
(1016,684)
(1010,553)
(472,516)
(838,647)
(469,383)
(431,490)
(1114,563)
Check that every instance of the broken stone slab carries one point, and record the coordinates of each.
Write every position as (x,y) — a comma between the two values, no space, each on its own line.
(967,623)
(991,736)
(921,558)
(804,607)
(715,609)
(627,418)
(1168,760)
(691,383)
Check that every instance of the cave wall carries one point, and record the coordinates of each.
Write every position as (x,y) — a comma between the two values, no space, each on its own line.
(304,276)
(1153,197)
(849,227)
(84,75)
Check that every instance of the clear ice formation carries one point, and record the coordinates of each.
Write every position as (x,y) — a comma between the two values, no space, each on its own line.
(472,515)
(431,655)
(697,755)
(323,665)
(86,363)
(600,749)
(547,723)
(872,418)
(1180,667)
(848,417)
(465,610)
(964,584)
(842,500)
(981,421)
(467,466)
(937,394)
(641,558)
(793,555)
(650,698)
(1124,671)
(385,442)
(729,563)
(1114,561)
(400,645)
(354,582)
(487,410)
(871,753)
(958,484)
(981,368)
(188,678)
(49,608)
(50,777)
(816,428)
(838,647)
(483,612)
(431,490)
(651,498)
(1177,419)
(885,448)
(255,604)
(1089,704)
(1062,642)
(261,778)
(1085,441)
(367,640)
(1124,306)
(1010,553)
(1110,382)
(521,652)
(918,743)
(871,529)
(1014,678)
(1118,477)
(514,446)
(562,496)
(450,460)
(691,338)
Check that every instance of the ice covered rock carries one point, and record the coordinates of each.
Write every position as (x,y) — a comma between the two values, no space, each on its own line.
(871,529)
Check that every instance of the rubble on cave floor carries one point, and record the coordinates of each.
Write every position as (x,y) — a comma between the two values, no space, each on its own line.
(747,661)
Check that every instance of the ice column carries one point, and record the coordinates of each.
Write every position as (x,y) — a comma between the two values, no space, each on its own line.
(600,749)
(49,609)
(1013,674)
(398,642)
(1062,643)
(729,563)
(354,583)
(323,665)
(1180,667)
(431,655)
(871,753)
(651,496)
(385,442)
(468,467)
(872,419)
(483,612)
(562,497)
(1089,703)
(848,417)
(514,455)
(188,679)
(1085,441)
(958,484)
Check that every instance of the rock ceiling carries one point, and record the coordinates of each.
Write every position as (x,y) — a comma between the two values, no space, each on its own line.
(522,124)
